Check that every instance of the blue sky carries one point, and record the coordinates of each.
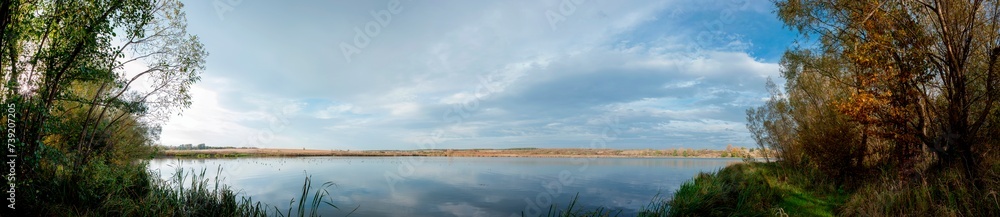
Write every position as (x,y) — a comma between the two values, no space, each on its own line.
(479,74)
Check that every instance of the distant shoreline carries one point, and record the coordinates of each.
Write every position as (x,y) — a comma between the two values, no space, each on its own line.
(525,152)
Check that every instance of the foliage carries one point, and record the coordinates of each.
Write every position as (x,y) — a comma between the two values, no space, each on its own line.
(85,121)
(772,126)
(82,119)
(894,101)
(899,77)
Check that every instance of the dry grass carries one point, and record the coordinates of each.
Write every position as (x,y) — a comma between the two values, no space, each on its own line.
(521,152)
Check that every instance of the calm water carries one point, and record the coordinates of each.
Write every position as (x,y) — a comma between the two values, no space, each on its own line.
(425,186)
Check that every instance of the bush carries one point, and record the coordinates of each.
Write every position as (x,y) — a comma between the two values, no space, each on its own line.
(836,147)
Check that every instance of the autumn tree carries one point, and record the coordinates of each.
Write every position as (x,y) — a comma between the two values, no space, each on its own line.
(803,125)
(920,75)
(773,127)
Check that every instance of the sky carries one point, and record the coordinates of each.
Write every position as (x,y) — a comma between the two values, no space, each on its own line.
(388,74)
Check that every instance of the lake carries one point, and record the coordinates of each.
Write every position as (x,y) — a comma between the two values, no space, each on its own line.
(444,186)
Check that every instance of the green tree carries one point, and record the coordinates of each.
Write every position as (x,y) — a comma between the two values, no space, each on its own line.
(64,66)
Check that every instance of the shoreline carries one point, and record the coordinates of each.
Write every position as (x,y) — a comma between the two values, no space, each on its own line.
(533,152)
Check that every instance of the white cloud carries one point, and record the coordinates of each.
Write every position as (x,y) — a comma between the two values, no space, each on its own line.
(514,80)
(206,122)
(334,111)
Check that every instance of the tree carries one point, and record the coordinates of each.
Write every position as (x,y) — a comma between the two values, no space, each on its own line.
(772,126)
(920,74)
(64,68)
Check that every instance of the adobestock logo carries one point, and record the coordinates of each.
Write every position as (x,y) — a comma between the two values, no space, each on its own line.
(364,35)
(566,8)
(225,6)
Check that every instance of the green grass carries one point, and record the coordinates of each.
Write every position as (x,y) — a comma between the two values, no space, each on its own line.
(747,189)
(770,189)
(130,190)
(756,189)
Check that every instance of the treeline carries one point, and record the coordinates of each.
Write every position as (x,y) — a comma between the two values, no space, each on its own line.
(891,100)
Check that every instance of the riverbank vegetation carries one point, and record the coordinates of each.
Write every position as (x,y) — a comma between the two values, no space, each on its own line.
(891,109)
(887,108)
(86,85)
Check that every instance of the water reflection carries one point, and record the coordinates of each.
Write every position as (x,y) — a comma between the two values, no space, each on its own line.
(454,186)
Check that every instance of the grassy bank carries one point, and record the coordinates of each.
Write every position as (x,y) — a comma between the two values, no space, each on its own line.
(745,189)
(769,189)
(758,189)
